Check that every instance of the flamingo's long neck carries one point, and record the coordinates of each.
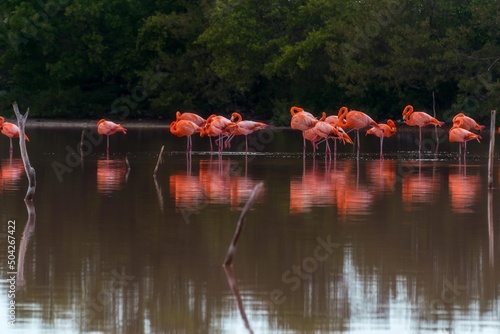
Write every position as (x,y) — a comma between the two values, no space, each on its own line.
(236,117)
(173,128)
(295,110)
(342,115)
(407,112)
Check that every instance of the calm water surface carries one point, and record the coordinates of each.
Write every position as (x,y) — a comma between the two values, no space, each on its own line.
(331,246)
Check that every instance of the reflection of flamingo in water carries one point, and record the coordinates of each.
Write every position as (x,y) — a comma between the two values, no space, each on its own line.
(463,191)
(10,130)
(313,188)
(221,183)
(384,130)
(111,174)
(420,119)
(351,197)
(382,174)
(186,192)
(11,172)
(418,189)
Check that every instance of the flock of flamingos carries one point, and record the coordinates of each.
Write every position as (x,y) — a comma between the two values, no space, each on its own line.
(335,127)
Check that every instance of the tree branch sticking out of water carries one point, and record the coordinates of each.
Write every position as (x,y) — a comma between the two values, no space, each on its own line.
(492,149)
(158,161)
(30,171)
(241,221)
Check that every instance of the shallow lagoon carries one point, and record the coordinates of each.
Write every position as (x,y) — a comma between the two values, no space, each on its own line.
(332,245)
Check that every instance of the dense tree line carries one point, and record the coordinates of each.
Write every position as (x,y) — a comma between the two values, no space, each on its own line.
(149,58)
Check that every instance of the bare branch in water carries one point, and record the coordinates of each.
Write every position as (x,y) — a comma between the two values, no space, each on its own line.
(241,221)
(159,161)
(236,293)
(30,171)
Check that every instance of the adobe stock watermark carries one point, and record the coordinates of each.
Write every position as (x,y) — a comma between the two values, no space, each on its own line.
(193,208)
(104,297)
(484,87)
(140,92)
(32,25)
(256,143)
(74,156)
(294,276)
(372,28)
(449,293)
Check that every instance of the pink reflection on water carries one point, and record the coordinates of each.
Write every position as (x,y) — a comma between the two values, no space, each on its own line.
(353,197)
(214,178)
(382,176)
(463,191)
(419,187)
(218,182)
(186,191)
(314,187)
(11,172)
(326,186)
(111,175)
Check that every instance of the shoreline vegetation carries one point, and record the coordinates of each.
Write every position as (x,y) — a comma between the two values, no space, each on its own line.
(136,59)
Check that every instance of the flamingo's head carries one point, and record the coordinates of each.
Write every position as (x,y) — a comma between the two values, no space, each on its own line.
(235,117)
(294,110)
(407,111)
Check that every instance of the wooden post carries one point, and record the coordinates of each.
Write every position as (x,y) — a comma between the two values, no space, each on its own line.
(492,149)
(30,171)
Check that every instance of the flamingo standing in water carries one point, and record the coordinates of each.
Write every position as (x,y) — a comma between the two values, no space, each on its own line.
(216,126)
(343,136)
(189,116)
(302,120)
(384,130)
(420,119)
(458,134)
(10,130)
(239,127)
(467,123)
(327,128)
(108,128)
(354,120)
(312,137)
(185,128)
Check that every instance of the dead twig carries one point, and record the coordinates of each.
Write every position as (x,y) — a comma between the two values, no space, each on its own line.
(30,171)
(236,293)
(491,154)
(159,161)
(241,221)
